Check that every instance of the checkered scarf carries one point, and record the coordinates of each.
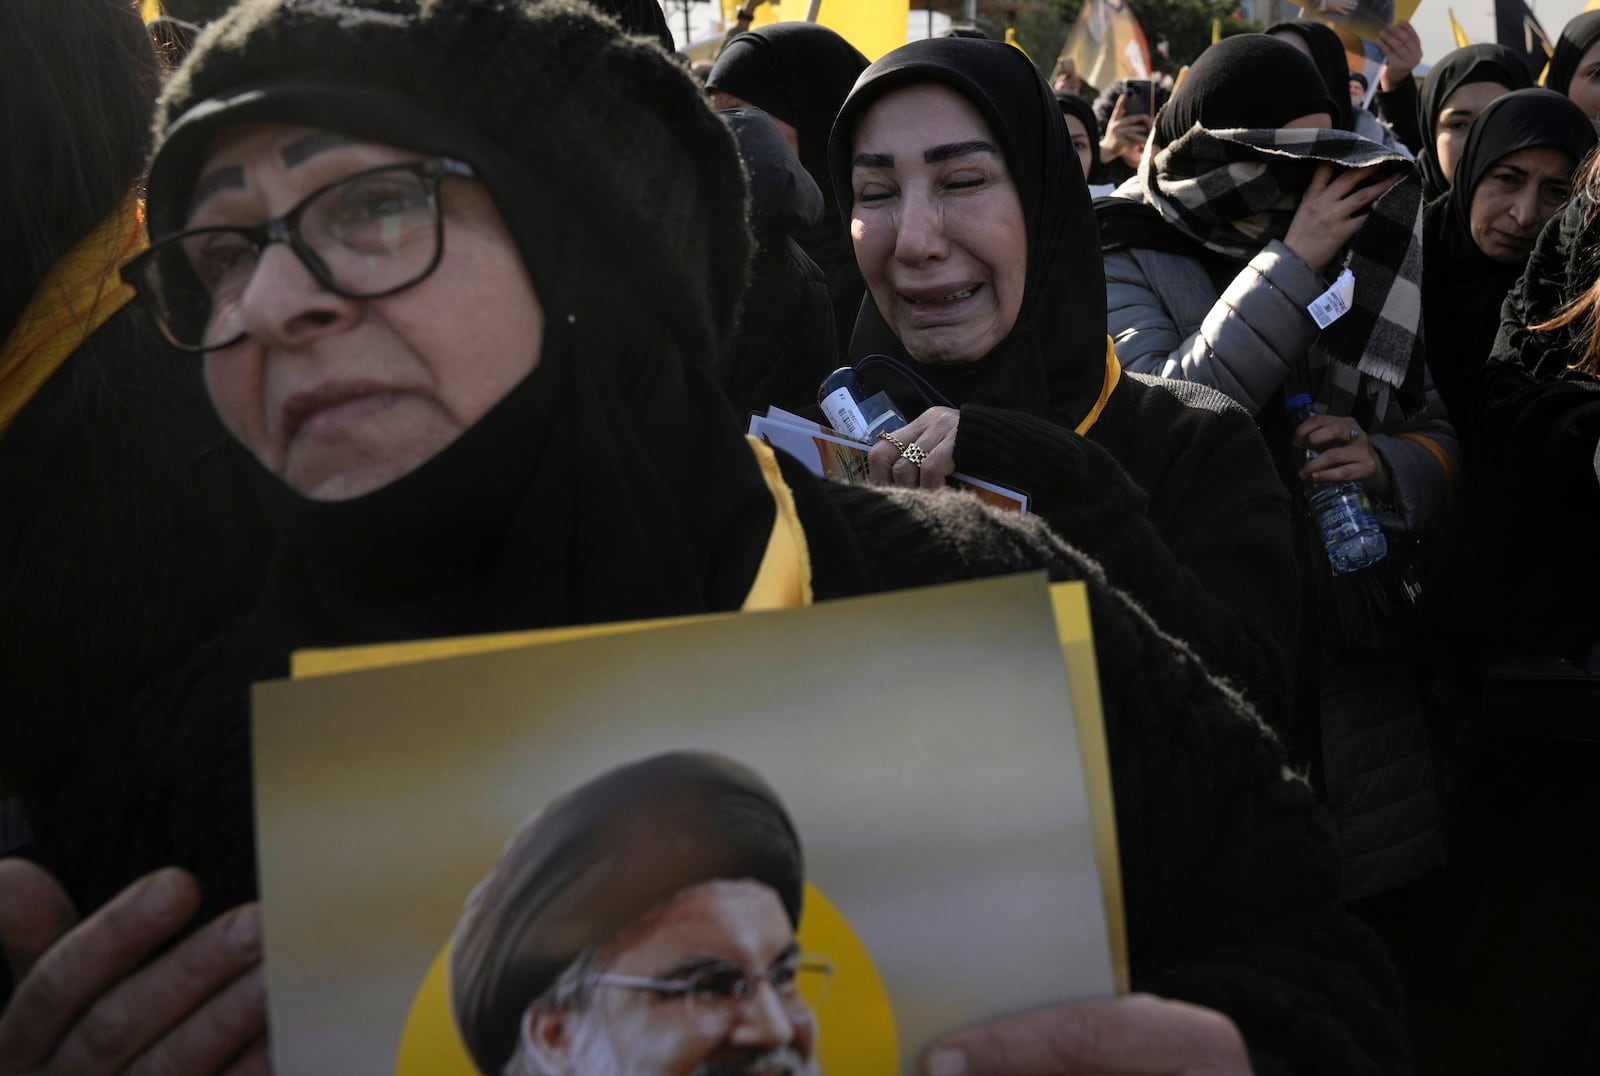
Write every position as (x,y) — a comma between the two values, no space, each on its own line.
(1234,190)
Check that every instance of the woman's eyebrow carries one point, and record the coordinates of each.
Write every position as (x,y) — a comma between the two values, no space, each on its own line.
(935,154)
(300,149)
(225,178)
(872,160)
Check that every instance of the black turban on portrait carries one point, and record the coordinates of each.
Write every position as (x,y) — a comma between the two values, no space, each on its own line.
(597,860)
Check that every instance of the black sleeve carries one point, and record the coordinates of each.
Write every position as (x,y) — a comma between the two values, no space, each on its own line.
(1398,108)
(1546,431)
(1219,572)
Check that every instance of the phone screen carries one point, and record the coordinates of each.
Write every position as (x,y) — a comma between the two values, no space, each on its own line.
(1136,97)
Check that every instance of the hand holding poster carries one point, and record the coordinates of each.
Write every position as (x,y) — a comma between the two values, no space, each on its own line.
(909,867)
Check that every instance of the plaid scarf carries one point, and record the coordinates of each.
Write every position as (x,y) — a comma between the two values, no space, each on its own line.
(1233,191)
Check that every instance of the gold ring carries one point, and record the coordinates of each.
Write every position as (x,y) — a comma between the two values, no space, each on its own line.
(885,435)
(915,454)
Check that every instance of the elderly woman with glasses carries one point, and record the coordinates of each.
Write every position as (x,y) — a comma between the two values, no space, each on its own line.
(461,340)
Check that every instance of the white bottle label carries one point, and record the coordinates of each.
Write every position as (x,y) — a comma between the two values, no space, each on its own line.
(843,414)
(1334,303)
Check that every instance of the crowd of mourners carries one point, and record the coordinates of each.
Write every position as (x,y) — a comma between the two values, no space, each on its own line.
(355,321)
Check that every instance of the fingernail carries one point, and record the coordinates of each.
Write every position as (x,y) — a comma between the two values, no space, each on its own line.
(244,933)
(160,896)
(947,1061)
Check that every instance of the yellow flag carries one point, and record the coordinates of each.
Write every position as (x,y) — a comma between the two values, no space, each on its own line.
(1216,31)
(770,12)
(1462,40)
(1592,5)
(1011,39)
(151,9)
(873,26)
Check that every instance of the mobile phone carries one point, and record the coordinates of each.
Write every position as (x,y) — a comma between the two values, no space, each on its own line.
(1136,97)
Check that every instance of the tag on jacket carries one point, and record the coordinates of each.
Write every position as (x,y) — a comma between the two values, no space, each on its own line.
(1334,303)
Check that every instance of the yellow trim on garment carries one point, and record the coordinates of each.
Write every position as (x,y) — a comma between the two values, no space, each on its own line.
(1113,375)
(784,579)
(77,296)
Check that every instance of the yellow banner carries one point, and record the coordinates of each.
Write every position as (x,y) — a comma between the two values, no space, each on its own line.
(873,26)
(150,9)
(1462,40)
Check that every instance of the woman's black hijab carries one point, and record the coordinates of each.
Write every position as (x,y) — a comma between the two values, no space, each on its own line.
(1327,54)
(1082,111)
(1224,89)
(613,482)
(1463,288)
(1475,63)
(1576,39)
(800,73)
(1053,362)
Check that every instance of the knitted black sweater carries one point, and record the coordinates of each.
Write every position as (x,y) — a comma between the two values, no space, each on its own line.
(1172,492)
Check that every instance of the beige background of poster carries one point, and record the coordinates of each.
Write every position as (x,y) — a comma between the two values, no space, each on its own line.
(923,743)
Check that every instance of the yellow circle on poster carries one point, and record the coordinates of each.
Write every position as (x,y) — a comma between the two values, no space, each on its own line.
(855,1025)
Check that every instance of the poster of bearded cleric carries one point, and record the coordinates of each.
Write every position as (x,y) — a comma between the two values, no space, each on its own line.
(789,843)
(1363,18)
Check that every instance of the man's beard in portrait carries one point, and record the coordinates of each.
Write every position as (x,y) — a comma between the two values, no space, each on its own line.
(593,1055)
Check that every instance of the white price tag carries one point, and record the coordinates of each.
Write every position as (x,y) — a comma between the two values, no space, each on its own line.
(1334,303)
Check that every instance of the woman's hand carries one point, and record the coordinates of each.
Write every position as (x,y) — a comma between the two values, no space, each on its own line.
(1344,453)
(1125,135)
(86,1000)
(1402,52)
(1331,212)
(934,431)
(1139,1035)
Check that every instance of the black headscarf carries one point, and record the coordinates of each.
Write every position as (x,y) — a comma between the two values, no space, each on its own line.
(1475,63)
(1073,105)
(1052,363)
(611,483)
(1524,119)
(1327,54)
(640,17)
(594,862)
(800,73)
(1577,37)
(1250,81)
(1463,288)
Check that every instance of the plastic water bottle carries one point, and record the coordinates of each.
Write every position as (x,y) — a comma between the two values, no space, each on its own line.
(852,415)
(1343,511)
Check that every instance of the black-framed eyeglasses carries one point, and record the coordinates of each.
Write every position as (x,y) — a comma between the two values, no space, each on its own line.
(365,236)
(716,993)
